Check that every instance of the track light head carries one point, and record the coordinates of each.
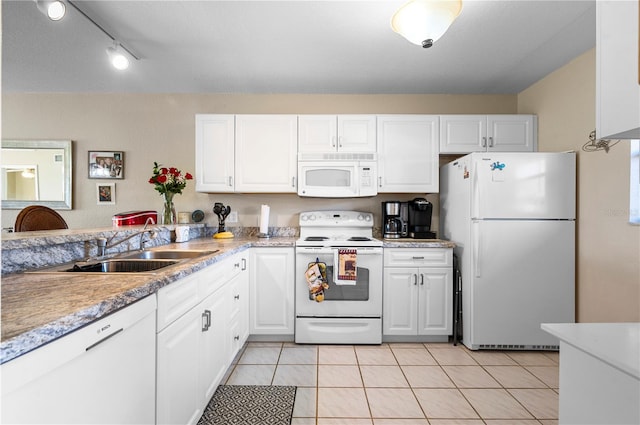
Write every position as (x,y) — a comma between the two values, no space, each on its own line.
(52,9)
(117,57)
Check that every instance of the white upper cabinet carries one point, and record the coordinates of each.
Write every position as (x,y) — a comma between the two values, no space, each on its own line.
(246,153)
(215,136)
(493,133)
(617,73)
(337,133)
(408,154)
(266,153)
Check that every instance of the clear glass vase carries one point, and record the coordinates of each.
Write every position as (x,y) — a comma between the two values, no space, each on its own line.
(168,209)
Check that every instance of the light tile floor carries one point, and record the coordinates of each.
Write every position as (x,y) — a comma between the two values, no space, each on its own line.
(405,384)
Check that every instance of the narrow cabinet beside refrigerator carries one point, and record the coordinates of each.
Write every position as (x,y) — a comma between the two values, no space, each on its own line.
(417,294)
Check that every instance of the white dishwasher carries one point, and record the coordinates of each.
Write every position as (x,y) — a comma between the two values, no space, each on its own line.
(103,373)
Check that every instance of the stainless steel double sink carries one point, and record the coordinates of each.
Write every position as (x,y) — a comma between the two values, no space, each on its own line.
(131,262)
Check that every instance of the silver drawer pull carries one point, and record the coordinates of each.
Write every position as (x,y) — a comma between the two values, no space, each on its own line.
(418,258)
(236,297)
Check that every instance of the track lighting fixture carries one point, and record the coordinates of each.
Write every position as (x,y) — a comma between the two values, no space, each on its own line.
(117,57)
(53,9)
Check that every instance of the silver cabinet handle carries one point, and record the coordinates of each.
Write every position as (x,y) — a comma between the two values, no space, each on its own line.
(230,180)
(380,181)
(484,142)
(421,279)
(340,139)
(490,142)
(415,279)
(333,141)
(206,320)
(418,258)
(236,297)
(293,182)
(244,264)
(237,337)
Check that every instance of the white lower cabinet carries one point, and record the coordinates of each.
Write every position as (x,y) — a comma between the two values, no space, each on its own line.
(271,281)
(103,373)
(418,292)
(195,350)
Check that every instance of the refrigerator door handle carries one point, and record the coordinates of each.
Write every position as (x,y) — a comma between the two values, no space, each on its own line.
(475,194)
(477,255)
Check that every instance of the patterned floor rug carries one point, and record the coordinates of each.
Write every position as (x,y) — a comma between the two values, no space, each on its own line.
(250,404)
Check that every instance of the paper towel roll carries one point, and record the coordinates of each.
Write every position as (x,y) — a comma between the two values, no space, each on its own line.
(264,219)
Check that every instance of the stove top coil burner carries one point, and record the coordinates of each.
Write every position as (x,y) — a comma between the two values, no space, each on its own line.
(316,238)
(359,239)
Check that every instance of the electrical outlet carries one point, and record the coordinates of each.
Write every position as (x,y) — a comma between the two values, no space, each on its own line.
(233,217)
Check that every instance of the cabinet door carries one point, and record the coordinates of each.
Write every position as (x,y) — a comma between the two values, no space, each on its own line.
(215,348)
(463,133)
(617,73)
(266,153)
(511,133)
(408,154)
(317,133)
(357,133)
(435,301)
(271,291)
(214,153)
(399,304)
(179,398)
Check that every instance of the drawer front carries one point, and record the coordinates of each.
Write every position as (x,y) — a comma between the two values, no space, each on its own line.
(176,299)
(426,257)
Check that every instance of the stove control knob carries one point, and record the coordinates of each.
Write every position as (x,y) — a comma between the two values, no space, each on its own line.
(360,217)
(367,217)
(312,217)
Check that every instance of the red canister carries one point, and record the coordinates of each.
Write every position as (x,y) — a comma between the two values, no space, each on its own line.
(131,218)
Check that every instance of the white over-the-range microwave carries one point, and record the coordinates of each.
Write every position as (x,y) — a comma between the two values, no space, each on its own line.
(337,175)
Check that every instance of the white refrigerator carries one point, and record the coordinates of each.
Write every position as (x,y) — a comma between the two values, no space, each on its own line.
(512,218)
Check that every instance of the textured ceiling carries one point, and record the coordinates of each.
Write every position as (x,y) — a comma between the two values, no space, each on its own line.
(298,46)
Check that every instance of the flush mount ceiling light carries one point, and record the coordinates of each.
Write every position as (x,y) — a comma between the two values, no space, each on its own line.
(53,9)
(117,57)
(423,22)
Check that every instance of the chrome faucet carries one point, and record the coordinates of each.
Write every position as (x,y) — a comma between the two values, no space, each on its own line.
(104,243)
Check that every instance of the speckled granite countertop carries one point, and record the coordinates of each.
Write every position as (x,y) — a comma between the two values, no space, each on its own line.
(38,308)
(417,243)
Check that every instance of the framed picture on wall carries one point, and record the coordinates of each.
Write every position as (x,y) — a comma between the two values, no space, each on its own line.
(106,193)
(106,165)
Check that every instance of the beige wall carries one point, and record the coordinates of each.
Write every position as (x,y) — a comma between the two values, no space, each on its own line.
(608,247)
(160,128)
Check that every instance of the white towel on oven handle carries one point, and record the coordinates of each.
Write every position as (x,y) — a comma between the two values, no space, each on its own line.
(341,257)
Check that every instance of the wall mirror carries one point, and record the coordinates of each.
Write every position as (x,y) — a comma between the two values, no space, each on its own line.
(36,172)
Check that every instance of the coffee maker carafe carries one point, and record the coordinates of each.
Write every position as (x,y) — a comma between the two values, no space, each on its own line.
(395,219)
(420,211)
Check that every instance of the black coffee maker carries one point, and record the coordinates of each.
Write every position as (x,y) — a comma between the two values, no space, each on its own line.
(420,211)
